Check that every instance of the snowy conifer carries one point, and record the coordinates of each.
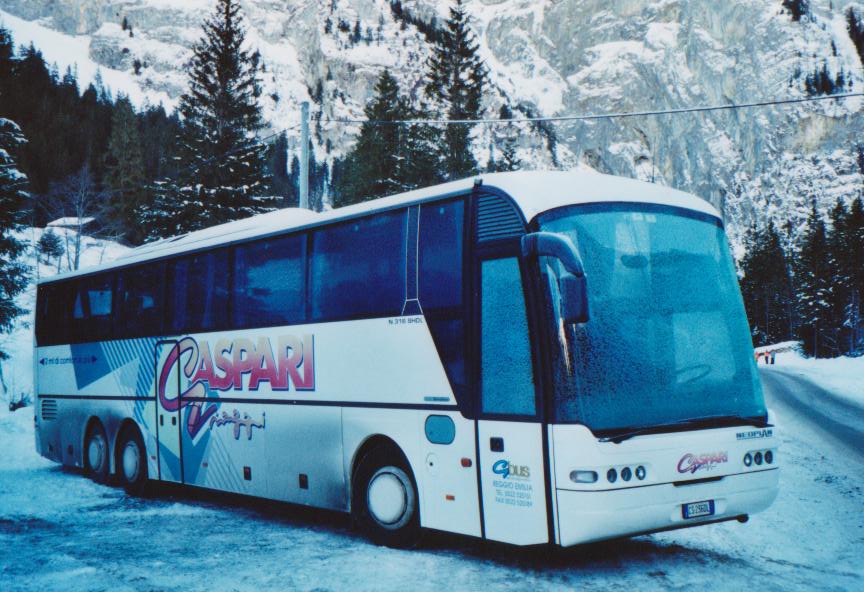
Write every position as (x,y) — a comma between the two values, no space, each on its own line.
(124,176)
(767,287)
(13,196)
(455,83)
(388,158)
(222,163)
(814,288)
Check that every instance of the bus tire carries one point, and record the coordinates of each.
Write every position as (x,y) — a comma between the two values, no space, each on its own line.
(131,462)
(96,455)
(385,505)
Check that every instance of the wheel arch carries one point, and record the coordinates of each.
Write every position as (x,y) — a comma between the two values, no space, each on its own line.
(371,443)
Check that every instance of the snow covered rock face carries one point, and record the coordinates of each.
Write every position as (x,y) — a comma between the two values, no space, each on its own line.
(554,57)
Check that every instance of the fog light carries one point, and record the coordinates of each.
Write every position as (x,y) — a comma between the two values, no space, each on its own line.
(748,460)
(626,473)
(583,476)
(612,475)
(757,458)
(640,472)
(769,457)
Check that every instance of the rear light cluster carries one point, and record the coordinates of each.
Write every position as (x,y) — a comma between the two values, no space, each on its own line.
(612,475)
(757,458)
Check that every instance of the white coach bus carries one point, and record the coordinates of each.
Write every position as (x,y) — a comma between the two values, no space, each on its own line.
(525,357)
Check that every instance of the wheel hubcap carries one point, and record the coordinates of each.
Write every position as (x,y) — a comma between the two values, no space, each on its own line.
(96,452)
(387,497)
(131,460)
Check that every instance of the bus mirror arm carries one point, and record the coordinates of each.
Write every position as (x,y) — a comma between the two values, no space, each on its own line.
(572,284)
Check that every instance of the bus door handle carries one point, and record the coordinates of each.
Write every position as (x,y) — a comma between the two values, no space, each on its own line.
(173,420)
(496,444)
(161,420)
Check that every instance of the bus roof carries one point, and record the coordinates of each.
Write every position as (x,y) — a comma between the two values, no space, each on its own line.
(534,192)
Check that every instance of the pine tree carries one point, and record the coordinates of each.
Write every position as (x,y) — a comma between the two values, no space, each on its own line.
(814,289)
(388,158)
(455,83)
(13,195)
(846,244)
(767,286)
(222,163)
(51,247)
(124,176)
(7,54)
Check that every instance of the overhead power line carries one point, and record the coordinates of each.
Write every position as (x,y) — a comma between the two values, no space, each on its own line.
(594,116)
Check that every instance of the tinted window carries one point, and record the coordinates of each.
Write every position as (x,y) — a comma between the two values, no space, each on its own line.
(358,268)
(506,370)
(92,308)
(52,314)
(440,236)
(140,294)
(269,282)
(198,293)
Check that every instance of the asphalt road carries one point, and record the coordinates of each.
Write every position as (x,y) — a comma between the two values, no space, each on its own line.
(60,531)
(835,418)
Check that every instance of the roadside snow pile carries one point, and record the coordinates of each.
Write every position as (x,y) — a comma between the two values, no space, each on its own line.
(17,440)
(842,376)
(17,371)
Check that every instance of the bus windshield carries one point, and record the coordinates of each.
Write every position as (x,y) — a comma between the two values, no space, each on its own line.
(667,343)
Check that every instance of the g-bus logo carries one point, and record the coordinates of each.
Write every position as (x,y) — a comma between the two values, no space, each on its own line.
(690,463)
(505,469)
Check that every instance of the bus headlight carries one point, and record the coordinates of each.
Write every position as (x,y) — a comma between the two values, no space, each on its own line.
(583,476)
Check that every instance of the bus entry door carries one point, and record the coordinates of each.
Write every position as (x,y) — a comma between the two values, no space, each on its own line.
(509,431)
(168,423)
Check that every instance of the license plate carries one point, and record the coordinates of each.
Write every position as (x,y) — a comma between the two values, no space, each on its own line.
(698,509)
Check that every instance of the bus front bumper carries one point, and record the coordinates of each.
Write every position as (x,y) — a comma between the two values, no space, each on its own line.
(586,516)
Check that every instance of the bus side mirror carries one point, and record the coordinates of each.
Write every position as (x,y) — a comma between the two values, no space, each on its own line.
(572,284)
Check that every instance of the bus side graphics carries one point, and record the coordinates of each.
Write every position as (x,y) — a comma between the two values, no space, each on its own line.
(294,365)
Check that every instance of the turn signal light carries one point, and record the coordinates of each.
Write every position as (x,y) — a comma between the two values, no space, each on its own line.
(583,476)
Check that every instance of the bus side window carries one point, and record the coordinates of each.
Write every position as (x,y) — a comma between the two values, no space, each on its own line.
(440,284)
(198,292)
(139,295)
(92,308)
(52,314)
(358,268)
(270,282)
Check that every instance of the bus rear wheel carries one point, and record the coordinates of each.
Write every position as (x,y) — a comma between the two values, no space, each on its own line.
(131,462)
(96,453)
(385,505)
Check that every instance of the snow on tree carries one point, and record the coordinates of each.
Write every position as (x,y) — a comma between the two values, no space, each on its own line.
(222,173)
(51,247)
(13,197)
(455,83)
(846,245)
(814,287)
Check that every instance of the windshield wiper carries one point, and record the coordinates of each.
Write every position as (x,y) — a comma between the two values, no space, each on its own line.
(710,421)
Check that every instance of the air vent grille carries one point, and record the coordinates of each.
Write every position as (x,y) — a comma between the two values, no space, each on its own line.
(497,219)
(49,409)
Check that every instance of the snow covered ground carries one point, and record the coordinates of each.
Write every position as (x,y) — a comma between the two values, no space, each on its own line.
(843,376)
(60,531)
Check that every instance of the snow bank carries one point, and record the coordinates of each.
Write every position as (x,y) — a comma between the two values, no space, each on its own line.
(842,376)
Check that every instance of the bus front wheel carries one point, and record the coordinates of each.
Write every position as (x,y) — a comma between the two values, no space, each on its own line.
(132,462)
(385,505)
(96,453)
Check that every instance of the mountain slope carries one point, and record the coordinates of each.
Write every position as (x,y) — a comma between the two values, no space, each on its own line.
(549,57)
